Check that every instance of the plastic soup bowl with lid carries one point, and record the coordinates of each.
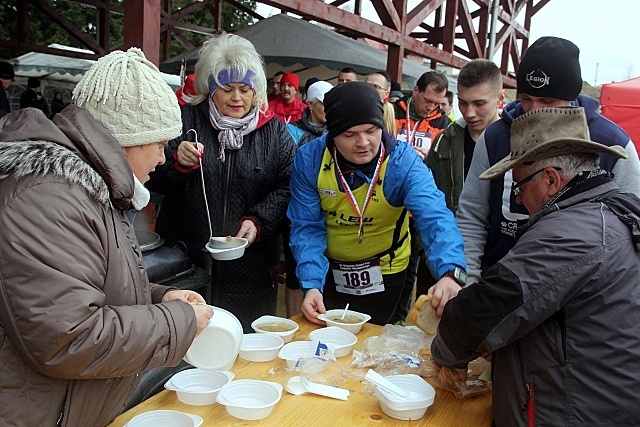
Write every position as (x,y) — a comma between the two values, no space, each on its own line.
(408,408)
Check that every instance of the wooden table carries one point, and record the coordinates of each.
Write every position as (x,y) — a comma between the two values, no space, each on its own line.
(362,408)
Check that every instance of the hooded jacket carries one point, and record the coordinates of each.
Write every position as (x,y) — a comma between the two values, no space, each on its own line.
(561,314)
(77,323)
(488,215)
(252,183)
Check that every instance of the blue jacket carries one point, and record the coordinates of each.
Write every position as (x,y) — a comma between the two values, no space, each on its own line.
(408,182)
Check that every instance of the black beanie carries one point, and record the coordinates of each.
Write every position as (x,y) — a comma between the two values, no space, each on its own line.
(352,104)
(550,68)
(6,71)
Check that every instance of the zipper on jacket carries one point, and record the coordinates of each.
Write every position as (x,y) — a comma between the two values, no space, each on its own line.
(529,406)
(64,404)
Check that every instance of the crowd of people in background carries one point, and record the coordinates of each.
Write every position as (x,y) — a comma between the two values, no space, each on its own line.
(521,222)
(31,97)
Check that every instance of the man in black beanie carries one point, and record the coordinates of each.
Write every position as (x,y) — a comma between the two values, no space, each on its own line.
(28,98)
(488,215)
(350,193)
(7,76)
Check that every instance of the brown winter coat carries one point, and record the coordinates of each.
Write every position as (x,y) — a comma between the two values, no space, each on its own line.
(77,324)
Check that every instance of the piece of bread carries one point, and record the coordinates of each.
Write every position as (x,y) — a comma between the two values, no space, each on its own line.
(424,316)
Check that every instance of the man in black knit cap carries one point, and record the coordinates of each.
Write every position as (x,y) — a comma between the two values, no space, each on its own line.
(350,192)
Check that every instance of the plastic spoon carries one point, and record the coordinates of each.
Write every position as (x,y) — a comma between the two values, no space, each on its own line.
(299,386)
(381,381)
(344,313)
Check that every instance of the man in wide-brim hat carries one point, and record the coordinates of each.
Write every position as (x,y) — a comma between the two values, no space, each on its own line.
(560,312)
(545,134)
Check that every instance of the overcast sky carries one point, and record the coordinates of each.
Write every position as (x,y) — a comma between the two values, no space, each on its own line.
(607,33)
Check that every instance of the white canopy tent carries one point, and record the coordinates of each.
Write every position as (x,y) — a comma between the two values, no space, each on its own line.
(56,73)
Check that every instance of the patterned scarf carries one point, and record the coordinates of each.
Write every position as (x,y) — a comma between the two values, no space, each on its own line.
(231,130)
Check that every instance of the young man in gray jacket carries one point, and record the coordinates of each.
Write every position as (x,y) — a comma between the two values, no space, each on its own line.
(560,313)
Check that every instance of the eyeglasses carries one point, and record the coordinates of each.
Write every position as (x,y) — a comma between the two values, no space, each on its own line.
(378,87)
(516,187)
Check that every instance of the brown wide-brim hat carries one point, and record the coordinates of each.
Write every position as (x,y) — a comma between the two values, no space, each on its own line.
(549,132)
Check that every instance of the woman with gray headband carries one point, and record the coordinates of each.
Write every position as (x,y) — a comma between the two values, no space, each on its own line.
(247,158)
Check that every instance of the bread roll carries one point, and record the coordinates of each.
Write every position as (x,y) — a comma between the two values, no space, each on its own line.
(424,316)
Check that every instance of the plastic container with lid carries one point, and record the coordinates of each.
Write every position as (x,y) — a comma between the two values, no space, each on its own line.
(406,408)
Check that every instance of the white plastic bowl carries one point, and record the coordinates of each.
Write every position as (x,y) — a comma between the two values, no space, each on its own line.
(250,399)
(197,386)
(260,347)
(406,408)
(293,351)
(217,347)
(354,328)
(342,340)
(238,245)
(162,418)
(286,336)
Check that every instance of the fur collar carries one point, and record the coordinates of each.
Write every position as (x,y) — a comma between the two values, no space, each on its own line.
(24,158)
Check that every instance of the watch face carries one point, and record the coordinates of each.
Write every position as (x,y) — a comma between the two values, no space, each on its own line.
(462,275)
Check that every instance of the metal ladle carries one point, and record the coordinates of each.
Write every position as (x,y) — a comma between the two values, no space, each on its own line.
(214,242)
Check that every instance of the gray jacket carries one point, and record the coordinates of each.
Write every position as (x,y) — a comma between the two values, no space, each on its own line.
(77,323)
(561,314)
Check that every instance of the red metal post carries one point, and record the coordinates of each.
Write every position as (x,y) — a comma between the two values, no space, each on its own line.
(142,27)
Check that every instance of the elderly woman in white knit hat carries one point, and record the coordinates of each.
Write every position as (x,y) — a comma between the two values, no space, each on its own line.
(79,320)
(246,156)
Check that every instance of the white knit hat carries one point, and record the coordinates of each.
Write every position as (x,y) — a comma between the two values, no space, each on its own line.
(128,96)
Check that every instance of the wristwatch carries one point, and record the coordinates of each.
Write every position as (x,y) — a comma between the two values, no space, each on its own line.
(459,275)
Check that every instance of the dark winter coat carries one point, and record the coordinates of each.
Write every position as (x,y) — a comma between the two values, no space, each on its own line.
(561,314)
(5,106)
(253,182)
(57,105)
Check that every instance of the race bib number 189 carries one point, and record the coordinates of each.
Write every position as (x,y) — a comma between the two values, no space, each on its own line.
(358,278)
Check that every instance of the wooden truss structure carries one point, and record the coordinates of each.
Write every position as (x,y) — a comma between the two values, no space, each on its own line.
(448,32)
